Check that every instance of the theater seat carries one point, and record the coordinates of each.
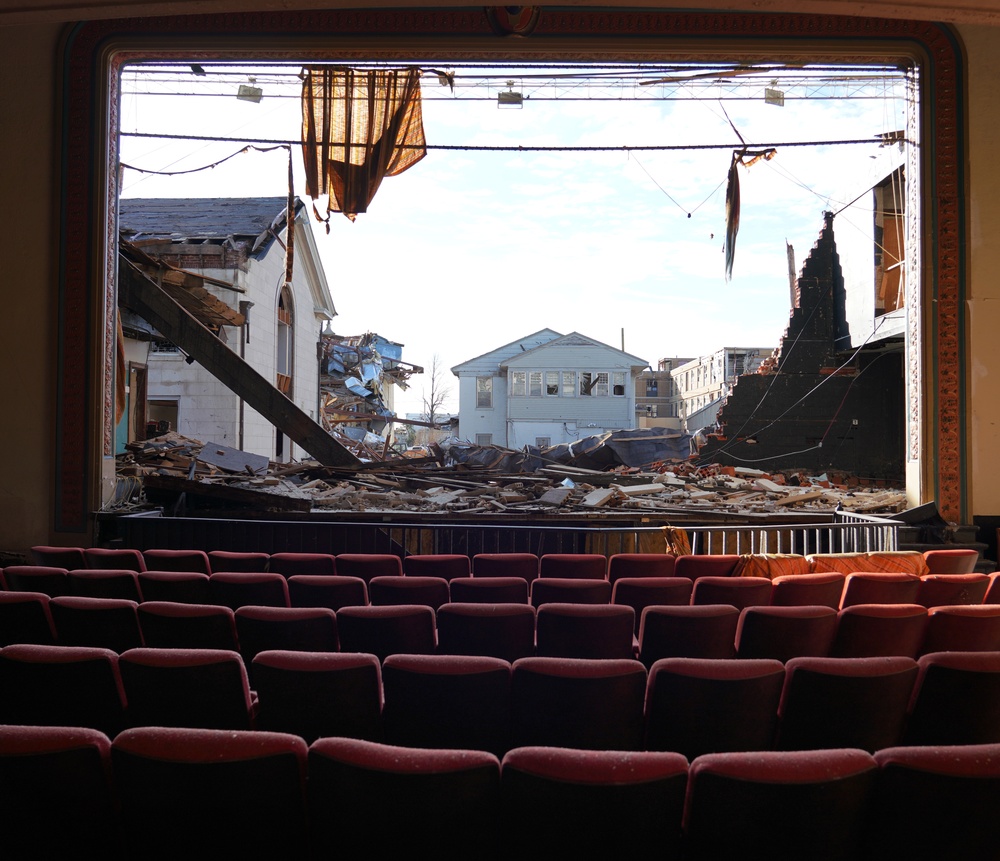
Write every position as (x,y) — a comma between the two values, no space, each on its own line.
(444,800)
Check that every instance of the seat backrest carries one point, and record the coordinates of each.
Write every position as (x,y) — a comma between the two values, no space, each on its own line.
(695,631)
(444,565)
(383,631)
(57,795)
(784,633)
(845,702)
(642,592)
(577,566)
(879,587)
(939,589)
(234,560)
(960,560)
(739,591)
(158,559)
(956,699)
(46,579)
(574,702)
(798,590)
(585,631)
(935,801)
(114,557)
(879,630)
(25,618)
(105,583)
(524,565)
(368,565)
(609,804)
(288,564)
(260,629)
(332,591)
(505,631)
(708,565)
(489,590)
(822,796)
(107,623)
(58,557)
(448,799)
(567,590)
(447,701)
(235,589)
(962,628)
(410,589)
(319,694)
(705,705)
(61,686)
(186,587)
(204,688)
(212,793)
(640,565)
(176,625)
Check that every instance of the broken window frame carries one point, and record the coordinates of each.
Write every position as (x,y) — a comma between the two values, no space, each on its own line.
(551,384)
(484,393)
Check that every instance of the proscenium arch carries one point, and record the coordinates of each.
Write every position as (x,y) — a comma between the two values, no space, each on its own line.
(95,52)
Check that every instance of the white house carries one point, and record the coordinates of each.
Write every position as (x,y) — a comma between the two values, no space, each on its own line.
(546,389)
(240,245)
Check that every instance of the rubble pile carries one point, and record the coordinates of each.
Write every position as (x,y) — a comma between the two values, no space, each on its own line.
(456,477)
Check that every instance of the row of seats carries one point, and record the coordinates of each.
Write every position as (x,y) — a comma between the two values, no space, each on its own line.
(162,793)
(236,589)
(526,565)
(686,705)
(508,631)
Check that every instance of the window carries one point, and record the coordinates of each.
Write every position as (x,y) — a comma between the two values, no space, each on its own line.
(652,388)
(518,386)
(618,384)
(586,384)
(484,393)
(552,383)
(484,439)
(535,384)
(568,384)
(283,354)
(543,441)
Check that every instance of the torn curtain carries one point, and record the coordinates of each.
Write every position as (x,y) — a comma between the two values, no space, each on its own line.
(358,127)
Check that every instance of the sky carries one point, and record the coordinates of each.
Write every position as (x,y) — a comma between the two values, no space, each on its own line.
(467,251)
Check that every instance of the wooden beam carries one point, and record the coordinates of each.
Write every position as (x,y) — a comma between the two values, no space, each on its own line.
(143,296)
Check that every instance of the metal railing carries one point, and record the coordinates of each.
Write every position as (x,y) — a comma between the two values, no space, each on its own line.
(842,533)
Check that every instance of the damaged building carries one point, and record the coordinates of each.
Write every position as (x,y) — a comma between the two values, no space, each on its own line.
(233,267)
(827,399)
(358,378)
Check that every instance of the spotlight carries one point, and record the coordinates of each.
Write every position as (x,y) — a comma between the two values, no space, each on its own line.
(249,92)
(510,99)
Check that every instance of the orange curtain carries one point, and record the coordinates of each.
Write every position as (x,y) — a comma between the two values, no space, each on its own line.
(358,127)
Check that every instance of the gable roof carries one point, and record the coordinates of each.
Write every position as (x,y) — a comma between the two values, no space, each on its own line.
(574,339)
(500,354)
(207,218)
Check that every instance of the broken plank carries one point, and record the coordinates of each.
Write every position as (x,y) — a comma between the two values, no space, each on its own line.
(805,496)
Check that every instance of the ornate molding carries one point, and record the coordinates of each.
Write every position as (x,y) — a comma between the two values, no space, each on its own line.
(85,285)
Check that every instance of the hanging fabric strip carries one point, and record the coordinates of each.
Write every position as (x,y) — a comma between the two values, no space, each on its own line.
(358,127)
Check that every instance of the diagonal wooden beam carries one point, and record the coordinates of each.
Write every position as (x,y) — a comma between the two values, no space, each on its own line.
(143,296)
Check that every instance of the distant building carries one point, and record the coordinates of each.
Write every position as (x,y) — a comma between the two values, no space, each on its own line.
(657,398)
(546,389)
(702,384)
(238,246)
